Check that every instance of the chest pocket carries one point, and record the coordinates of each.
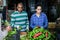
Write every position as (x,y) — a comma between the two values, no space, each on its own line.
(35,21)
(41,20)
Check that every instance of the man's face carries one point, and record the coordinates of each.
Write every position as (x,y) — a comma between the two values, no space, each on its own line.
(38,10)
(20,7)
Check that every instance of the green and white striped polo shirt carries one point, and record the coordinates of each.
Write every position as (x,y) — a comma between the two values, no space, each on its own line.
(19,18)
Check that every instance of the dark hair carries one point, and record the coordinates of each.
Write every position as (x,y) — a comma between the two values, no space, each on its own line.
(19,3)
(38,5)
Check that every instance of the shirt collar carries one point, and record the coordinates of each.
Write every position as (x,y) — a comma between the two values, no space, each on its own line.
(21,12)
(40,14)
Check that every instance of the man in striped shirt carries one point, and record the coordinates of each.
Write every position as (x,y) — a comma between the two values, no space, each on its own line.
(20,18)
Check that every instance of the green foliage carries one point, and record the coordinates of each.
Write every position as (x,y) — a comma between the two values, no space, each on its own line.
(6,23)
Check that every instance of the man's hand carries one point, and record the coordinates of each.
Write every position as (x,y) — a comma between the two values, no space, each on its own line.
(38,26)
(8,28)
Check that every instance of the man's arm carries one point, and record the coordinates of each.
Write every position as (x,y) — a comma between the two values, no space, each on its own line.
(31,23)
(46,22)
(27,21)
(12,20)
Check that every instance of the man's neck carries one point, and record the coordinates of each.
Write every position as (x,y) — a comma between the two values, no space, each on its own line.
(20,11)
(37,14)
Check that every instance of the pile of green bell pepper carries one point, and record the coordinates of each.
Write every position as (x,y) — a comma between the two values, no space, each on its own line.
(42,36)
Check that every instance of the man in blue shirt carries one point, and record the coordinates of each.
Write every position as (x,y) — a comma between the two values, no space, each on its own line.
(39,18)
